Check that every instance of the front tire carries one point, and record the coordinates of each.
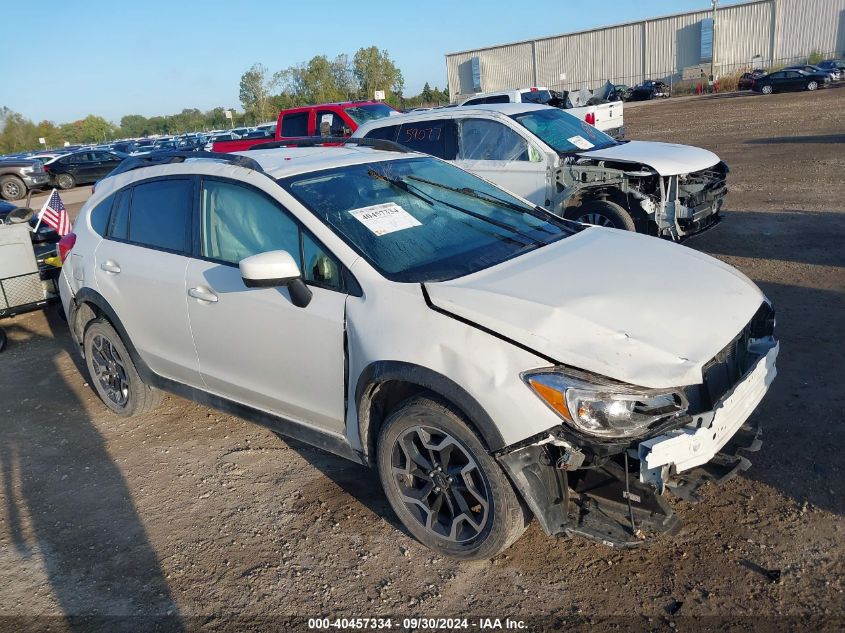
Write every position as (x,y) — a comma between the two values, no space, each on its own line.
(113,374)
(445,487)
(766,90)
(12,188)
(602,213)
(65,181)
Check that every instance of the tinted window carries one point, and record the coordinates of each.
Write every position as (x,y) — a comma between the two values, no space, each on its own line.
(160,213)
(100,216)
(427,137)
(536,96)
(497,99)
(119,225)
(776,75)
(238,222)
(481,139)
(387,133)
(295,124)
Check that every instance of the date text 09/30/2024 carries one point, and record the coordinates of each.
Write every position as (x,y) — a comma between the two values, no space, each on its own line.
(416,623)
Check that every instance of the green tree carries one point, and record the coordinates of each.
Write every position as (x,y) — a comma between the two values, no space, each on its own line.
(134,125)
(256,88)
(374,70)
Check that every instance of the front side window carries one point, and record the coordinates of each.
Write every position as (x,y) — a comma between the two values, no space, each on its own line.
(563,132)
(422,219)
(238,222)
(536,96)
(330,124)
(295,125)
(160,214)
(482,139)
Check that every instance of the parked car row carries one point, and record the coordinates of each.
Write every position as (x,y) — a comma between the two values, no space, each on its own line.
(792,78)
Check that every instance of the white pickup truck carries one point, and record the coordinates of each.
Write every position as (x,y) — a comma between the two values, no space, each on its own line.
(607,117)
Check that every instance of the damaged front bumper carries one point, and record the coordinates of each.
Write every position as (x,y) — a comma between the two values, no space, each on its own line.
(617,494)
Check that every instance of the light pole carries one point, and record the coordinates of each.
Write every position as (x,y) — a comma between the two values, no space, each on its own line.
(713,45)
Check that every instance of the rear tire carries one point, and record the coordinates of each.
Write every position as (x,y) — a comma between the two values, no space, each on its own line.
(113,374)
(12,188)
(812,85)
(444,486)
(766,90)
(65,181)
(602,213)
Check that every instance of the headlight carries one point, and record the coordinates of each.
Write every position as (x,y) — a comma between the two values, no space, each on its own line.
(602,407)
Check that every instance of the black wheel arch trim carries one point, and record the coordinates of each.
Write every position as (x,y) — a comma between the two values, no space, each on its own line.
(329,442)
(379,372)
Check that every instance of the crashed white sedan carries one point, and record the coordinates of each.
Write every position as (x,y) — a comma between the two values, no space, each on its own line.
(569,167)
(491,359)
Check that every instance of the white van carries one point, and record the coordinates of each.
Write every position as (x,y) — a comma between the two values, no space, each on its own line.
(569,167)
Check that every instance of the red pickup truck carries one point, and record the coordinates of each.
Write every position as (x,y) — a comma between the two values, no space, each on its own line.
(327,119)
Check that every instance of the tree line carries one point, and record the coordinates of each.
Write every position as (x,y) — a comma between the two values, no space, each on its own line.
(262,95)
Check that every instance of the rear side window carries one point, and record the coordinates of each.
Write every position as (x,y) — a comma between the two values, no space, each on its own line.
(119,224)
(160,214)
(100,216)
(428,137)
(295,124)
(386,133)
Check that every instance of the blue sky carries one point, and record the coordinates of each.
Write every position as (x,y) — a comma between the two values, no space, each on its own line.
(62,60)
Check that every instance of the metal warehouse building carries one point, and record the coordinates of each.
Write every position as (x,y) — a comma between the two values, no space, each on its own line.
(670,48)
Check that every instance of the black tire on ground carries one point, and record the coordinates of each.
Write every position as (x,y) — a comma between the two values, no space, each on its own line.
(602,213)
(812,85)
(766,90)
(12,188)
(65,181)
(467,509)
(113,374)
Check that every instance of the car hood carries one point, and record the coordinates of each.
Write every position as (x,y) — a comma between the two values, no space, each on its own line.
(667,159)
(630,307)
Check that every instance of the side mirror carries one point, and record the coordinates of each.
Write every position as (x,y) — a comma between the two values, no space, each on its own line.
(274,269)
(20,215)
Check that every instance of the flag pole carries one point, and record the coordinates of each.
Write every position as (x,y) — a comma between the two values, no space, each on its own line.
(41,213)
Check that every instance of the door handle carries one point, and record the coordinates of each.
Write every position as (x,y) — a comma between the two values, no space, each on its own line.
(110,267)
(203,294)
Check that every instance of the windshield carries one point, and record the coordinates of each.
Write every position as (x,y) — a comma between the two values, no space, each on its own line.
(563,132)
(421,219)
(365,113)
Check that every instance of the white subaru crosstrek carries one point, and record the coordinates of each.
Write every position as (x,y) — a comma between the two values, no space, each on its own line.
(493,361)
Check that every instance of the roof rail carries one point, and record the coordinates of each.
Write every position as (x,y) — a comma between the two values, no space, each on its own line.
(317,141)
(166,157)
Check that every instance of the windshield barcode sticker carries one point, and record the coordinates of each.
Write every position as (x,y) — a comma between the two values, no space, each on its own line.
(386,218)
(580,142)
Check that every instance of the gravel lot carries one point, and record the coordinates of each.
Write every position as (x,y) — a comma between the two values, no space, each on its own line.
(212,523)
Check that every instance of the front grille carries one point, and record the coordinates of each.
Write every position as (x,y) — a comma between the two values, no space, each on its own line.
(727,368)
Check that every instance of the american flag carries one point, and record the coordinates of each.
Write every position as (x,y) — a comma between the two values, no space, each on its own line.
(53,213)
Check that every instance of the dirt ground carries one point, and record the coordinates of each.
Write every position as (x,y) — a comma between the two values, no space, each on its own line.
(191,519)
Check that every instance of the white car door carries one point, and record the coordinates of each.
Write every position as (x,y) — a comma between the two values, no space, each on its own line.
(497,153)
(140,270)
(256,347)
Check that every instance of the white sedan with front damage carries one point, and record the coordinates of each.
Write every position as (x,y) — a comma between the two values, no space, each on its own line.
(489,358)
(569,167)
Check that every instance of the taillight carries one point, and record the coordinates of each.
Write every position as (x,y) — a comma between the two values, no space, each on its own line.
(65,245)
(590,118)
(45,168)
